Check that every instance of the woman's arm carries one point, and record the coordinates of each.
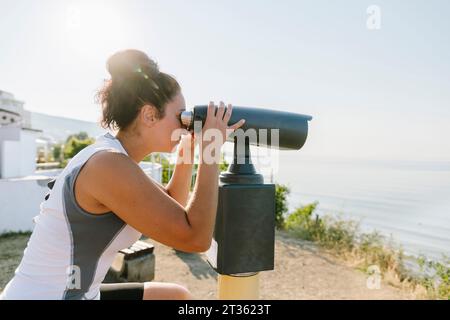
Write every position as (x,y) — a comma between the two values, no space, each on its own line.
(119,184)
(180,183)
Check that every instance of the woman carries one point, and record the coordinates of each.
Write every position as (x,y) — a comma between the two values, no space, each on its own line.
(102,201)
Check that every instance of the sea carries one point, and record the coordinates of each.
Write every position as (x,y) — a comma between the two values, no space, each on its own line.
(407,201)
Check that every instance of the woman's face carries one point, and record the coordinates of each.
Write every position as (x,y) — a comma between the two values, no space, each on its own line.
(169,127)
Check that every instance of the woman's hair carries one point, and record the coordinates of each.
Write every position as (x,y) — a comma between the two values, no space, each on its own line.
(135,81)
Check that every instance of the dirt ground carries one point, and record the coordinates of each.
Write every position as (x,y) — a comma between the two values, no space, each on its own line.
(301,272)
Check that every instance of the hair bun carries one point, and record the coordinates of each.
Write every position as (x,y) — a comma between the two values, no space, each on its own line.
(125,63)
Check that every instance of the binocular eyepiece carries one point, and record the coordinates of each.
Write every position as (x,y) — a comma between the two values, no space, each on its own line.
(263,127)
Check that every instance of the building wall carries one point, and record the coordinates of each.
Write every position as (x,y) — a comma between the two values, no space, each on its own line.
(28,149)
(19,202)
(18,158)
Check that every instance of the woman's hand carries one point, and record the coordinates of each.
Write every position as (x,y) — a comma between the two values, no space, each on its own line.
(186,147)
(216,125)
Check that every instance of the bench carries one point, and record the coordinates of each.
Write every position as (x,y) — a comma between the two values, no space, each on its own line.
(133,264)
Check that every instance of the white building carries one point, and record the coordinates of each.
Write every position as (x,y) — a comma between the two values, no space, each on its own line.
(17,139)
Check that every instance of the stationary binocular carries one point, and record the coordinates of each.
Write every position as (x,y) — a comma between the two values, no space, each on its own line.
(244,233)
(291,128)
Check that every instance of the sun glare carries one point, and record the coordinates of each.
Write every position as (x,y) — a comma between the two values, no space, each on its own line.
(93,28)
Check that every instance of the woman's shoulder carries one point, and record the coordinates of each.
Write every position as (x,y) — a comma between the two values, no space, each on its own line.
(107,162)
(103,174)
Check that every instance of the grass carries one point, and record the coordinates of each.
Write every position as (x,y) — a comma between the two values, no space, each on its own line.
(11,250)
(368,251)
(10,235)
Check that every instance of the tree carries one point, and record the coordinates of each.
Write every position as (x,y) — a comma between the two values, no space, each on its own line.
(57,151)
(82,135)
(75,145)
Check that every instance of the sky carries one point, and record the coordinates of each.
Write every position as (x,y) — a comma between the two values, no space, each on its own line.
(380,93)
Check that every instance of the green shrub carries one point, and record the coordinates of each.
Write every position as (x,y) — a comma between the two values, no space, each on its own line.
(436,277)
(281,204)
(57,152)
(343,237)
(15,234)
(74,145)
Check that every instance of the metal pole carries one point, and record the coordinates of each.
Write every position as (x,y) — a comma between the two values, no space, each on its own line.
(238,287)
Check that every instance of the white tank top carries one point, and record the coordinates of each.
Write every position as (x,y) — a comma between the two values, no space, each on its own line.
(70,249)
